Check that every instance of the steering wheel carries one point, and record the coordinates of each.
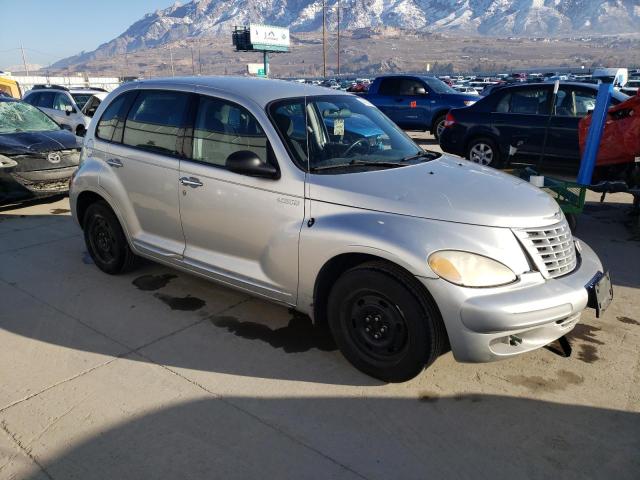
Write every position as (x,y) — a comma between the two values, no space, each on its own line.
(355,144)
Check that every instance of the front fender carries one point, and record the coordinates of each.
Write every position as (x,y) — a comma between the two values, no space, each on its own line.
(403,240)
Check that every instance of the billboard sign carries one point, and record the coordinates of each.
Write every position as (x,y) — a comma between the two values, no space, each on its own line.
(267,37)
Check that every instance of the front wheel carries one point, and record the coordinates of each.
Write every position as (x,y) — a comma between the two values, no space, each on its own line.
(438,126)
(383,324)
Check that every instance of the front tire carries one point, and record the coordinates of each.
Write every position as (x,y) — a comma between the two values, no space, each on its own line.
(106,241)
(383,324)
(438,126)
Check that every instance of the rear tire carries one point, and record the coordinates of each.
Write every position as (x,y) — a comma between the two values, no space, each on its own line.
(106,241)
(383,323)
(484,151)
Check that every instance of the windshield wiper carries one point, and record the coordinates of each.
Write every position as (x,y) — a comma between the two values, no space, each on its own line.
(359,163)
(419,155)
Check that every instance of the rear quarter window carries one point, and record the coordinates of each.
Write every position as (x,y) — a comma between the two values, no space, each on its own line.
(155,120)
(111,123)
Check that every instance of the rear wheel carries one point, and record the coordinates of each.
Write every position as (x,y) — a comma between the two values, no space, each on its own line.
(485,152)
(383,324)
(106,240)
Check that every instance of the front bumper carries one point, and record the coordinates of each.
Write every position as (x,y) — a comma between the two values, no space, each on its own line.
(489,324)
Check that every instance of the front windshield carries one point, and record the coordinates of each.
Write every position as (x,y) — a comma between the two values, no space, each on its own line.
(324,132)
(21,117)
(438,85)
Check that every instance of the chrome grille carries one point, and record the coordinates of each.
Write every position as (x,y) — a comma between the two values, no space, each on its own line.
(551,248)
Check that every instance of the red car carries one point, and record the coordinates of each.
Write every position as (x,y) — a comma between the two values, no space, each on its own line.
(620,144)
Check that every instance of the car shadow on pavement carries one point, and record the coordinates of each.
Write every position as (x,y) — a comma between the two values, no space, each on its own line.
(466,436)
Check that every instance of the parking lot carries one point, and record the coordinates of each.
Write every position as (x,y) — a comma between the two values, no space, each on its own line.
(158,374)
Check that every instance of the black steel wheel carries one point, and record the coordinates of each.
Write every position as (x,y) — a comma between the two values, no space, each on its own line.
(384,323)
(105,240)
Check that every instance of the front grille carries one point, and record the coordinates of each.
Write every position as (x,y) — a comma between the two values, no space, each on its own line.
(551,248)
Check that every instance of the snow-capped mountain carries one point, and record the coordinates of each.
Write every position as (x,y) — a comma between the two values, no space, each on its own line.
(200,18)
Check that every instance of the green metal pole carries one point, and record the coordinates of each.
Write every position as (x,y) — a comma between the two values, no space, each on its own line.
(265,61)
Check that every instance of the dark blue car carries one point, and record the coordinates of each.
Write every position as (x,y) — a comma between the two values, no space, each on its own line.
(416,102)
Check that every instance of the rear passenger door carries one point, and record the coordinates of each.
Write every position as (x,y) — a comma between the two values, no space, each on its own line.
(520,117)
(239,229)
(572,103)
(388,98)
(141,136)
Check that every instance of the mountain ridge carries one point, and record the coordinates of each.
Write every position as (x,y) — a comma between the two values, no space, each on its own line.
(215,18)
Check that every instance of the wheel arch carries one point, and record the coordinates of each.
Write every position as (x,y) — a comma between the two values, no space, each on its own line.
(337,265)
(439,113)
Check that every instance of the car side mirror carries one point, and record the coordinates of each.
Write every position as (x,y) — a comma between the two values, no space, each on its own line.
(248,163)
(69,110)
(419,91)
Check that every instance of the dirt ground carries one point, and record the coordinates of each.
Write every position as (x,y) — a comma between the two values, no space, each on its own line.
(158,374)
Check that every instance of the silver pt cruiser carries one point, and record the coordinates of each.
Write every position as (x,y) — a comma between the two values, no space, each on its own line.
(314,199)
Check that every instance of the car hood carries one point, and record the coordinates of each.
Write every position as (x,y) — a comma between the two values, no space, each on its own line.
(37,142)
(448,189)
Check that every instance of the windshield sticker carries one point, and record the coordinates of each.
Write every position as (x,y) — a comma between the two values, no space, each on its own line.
(338,127)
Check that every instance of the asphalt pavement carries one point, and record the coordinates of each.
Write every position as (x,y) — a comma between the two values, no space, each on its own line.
(157,374)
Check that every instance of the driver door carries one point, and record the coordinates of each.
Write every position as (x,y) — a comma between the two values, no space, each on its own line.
(240,230)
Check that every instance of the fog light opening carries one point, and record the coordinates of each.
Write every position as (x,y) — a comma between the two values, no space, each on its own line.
(514,340)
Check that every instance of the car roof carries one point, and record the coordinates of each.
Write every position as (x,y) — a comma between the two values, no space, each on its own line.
(592,86)
(90,91)
(261,90)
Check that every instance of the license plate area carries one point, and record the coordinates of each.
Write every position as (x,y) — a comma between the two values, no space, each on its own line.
(600,293)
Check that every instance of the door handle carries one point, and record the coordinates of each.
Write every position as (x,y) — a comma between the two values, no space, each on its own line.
(114,162)
(192,182)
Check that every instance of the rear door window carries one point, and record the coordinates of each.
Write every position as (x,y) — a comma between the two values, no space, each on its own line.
(575,102)
(155,121)
(222,128)
(530,101)
(390,86)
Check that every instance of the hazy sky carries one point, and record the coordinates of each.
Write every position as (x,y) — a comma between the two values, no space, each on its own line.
(51,30)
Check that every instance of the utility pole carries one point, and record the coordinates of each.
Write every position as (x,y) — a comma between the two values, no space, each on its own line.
(24,60)
(338,38)
(193,65)
(173,73)
(324,41)
(199,62)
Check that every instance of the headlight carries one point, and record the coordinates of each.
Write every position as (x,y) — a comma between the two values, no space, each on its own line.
(470,269)
(468,103)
